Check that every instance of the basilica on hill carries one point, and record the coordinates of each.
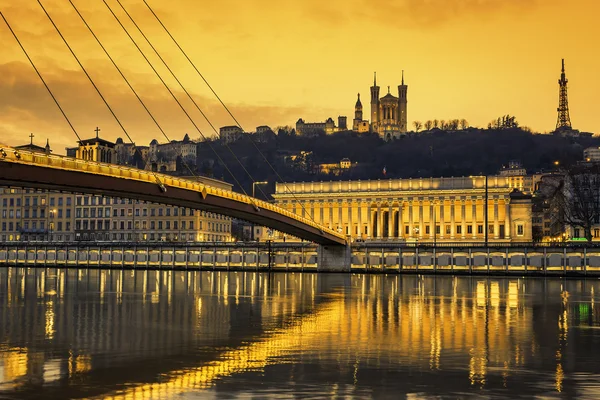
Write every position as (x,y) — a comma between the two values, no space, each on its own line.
(388,115)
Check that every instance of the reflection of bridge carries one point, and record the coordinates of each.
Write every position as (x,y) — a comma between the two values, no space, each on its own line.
(38,170)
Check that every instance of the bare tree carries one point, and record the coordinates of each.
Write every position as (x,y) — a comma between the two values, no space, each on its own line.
(418,125)
(436,123)
(577,198)
(428,124)
(443,125)
(464,124)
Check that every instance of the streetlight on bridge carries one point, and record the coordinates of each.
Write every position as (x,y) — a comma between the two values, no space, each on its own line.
(253,195)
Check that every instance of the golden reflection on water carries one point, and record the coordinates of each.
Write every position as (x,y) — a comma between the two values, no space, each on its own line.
(486,330)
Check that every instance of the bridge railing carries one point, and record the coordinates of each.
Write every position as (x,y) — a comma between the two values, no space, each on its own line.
(9,154)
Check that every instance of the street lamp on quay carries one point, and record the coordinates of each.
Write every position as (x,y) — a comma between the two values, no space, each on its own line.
(253,195)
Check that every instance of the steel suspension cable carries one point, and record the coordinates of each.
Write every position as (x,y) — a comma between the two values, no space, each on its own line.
(41,78)
(95,86)
(187,93)
(226,108)
(128,84)
(175,98)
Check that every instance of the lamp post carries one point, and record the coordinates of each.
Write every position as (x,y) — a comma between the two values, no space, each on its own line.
(51,224)
(253,195)
(485,227)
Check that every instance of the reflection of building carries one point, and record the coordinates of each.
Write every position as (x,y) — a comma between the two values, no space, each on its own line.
(388,113)
(440,209)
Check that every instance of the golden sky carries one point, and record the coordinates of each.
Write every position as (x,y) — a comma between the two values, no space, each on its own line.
(276,61)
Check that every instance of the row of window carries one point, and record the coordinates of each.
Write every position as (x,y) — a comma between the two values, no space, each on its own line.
(438,228)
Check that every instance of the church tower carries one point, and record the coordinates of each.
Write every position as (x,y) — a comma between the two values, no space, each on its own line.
(374,104)
(358,109)
(402,105)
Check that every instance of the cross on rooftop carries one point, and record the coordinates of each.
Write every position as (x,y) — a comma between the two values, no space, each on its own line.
(97,130)
(31,135)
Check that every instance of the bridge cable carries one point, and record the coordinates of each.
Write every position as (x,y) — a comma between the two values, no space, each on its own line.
(128,84)
(187,93)
(178,102)
(227,109)
(95,87)
(41,78)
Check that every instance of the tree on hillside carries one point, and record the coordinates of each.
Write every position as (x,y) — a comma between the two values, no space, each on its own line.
(428,125)
(464,124)
(578,198)
(504,122)
(436,123)
(418,125)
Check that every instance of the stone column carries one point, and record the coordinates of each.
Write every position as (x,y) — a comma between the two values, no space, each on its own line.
(432,219)
(331,225)
(421,224)
(442,226)
(410,218)
(350,225)
(359,217)
(507,219)
(463,223)
(399,231)
(379,230)
(452,219)
(390,222)
(496,220)
(369,221)
(340,223)
(474,216)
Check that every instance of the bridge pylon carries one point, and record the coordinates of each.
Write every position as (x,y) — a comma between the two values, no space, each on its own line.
(334,258)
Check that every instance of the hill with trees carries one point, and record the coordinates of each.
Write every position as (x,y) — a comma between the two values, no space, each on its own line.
(431,153)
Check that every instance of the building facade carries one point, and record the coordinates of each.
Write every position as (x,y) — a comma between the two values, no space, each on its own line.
(429,210)
(46,216)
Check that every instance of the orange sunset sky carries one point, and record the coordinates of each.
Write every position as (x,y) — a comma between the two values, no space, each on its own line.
(276,61)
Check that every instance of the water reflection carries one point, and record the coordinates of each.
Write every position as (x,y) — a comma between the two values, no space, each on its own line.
(157,334)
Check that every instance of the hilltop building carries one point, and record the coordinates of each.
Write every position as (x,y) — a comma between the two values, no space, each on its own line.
(34,147)
(314,128)
(388,113)
(359,124)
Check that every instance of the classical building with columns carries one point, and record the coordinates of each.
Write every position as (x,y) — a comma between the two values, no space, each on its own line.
(424,209)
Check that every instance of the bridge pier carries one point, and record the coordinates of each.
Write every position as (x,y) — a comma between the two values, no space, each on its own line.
(334,258)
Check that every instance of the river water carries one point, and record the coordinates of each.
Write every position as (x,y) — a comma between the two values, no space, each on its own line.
(219,335)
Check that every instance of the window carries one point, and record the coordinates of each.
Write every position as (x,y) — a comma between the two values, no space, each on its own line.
(438,229)
(68,213)
(129,225)
(191,224)
(520,230)
(152,212)
(175,224)
(168,212)
(160,224)
(448,229)
(458,229)
(480,229)
(122,225)
(406,229)
(596,233)
(576,234)
(160,212)
(470,229)
(69,201)
(182,224)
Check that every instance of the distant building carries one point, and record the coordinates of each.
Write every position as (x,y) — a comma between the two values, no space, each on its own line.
(336,168)
(388,113)
(328,127)
(229,134)
(514,168)
(427,209)
(97,149)
(34,147)
(591,154)
(358,124)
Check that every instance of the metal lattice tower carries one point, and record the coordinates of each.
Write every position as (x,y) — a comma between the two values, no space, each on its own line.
(564,121)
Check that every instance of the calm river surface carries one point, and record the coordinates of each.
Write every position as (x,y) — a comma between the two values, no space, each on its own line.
(162,334)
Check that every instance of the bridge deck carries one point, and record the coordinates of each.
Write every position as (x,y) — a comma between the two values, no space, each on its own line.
(31,169)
